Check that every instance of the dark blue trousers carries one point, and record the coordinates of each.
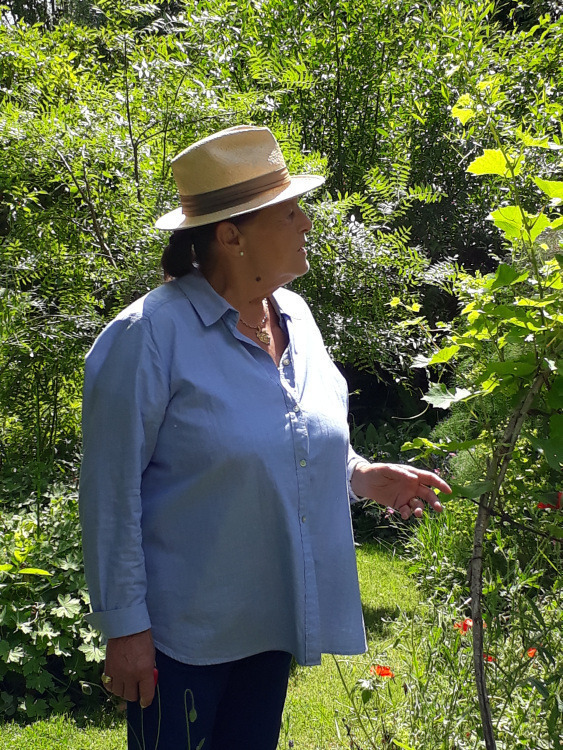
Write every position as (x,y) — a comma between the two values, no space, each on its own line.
(233,706)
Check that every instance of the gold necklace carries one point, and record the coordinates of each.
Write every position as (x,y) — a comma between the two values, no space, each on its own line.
(261,334)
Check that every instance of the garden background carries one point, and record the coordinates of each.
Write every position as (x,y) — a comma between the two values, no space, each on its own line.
(436,259)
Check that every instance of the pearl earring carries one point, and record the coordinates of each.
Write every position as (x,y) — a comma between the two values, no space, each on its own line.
(241,253)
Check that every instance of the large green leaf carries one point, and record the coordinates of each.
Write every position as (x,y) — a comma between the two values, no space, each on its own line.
(517,224)
(508,275)
(69,607)
(439,396)
(494,161)
(444,355)
(474,490)
(552,188)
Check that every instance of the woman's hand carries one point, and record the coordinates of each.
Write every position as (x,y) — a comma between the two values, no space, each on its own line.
(402,488)
(129,668)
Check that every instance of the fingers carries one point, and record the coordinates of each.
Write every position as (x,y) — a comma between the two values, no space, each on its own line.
(146,691)
(429,496)
(432,480)
(130,665)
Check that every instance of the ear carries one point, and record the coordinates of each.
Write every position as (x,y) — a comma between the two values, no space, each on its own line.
(228,237)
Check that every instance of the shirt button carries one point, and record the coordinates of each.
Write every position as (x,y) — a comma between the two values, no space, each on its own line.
(285,362)
(296,408)
(303,519)
(303,462)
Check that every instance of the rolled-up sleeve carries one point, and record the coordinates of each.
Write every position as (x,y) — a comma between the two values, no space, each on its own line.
(126,393)
(353,460)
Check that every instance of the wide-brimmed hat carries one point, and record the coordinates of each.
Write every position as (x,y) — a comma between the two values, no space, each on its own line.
(230,173)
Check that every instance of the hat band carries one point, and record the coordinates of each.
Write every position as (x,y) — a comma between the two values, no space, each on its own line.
(234,195)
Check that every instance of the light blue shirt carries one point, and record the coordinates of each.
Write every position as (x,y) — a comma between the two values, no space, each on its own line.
(214,493)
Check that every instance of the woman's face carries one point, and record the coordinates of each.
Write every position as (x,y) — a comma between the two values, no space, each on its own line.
(273,242)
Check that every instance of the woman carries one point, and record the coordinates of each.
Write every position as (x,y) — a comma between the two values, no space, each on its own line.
(217,467)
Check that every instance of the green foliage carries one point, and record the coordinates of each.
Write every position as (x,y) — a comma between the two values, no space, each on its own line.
(49,657)
(94,103)
(429,702)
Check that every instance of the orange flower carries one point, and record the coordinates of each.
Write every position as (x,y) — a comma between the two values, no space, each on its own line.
(380,671)
(532,652)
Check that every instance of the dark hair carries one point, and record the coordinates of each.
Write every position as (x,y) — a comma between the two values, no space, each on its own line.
(185,247)
(188,246)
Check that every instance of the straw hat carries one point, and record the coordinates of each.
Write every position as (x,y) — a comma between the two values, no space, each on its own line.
(230,173)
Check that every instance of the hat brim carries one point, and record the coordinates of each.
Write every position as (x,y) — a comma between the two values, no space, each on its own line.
(300,184)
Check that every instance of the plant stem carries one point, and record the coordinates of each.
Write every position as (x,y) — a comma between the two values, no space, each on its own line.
(495,473)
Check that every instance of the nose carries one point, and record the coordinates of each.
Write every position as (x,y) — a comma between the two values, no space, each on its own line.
(306,221)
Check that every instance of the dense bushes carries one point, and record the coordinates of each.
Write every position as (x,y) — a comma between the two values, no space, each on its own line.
(48,655)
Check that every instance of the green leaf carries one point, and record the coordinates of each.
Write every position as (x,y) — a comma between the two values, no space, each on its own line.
(509,219)
(441,448)
(507,275)
(540,224)
(516,367)
(463,109)
(555,395)
(552,447)
(5,568)
(34,572)
(92,652)
(69,607)
(516,224)
(440,397)
(529,140)
(493,161)
(35,708)
(444,355)
(473,490)
(540,687)
(555,530)
(552,188)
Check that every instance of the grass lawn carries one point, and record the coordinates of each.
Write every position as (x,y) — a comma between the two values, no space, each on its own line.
(316,702)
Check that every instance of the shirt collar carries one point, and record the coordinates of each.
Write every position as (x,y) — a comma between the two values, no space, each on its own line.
(210,306)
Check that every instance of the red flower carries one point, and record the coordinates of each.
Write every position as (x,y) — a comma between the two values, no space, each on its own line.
(532,652)
(380,671)
(464,625)
(557,506)
(487,657)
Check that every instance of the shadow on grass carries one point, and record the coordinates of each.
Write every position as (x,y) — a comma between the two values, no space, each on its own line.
(379,620)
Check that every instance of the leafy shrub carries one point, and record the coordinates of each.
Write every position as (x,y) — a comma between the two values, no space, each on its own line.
(49,657)
(424,697)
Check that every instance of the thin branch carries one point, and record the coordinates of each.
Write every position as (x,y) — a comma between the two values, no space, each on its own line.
(495,473)
(85,195)
(507,518)
(134,143)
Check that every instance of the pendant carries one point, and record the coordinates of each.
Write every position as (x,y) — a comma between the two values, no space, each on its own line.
(263,336)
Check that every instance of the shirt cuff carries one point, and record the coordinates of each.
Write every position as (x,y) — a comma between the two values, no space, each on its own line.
(351,469)
(119,622)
